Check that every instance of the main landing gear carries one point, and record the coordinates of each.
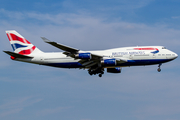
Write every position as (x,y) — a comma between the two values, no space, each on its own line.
(159,69)
(99,71)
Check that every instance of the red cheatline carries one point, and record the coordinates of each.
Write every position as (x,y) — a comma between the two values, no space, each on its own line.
(145,49)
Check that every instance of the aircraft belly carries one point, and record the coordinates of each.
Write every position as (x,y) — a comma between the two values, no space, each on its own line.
(62,62)
(144,62)
(65,65)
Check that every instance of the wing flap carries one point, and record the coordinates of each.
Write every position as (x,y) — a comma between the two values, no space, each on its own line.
(95,56)
(122,60)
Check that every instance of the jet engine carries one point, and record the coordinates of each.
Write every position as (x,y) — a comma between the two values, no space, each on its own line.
(108,62)
(83,56)
(114,70)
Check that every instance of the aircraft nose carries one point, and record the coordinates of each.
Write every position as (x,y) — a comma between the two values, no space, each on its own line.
(175,55)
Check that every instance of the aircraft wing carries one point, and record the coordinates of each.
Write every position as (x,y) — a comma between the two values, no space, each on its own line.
(16,55)
(69,51)
(60,46)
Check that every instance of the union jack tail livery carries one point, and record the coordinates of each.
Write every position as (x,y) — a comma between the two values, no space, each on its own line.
(20,45)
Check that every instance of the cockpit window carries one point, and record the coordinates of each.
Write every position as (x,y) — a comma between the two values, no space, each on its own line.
(163,47)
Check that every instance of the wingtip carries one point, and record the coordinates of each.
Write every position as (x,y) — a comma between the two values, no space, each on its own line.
(45,39)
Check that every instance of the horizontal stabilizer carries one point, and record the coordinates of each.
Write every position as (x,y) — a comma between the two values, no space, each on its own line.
(16,55)
(60,46)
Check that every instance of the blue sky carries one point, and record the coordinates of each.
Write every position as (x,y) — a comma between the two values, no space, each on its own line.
(41,93)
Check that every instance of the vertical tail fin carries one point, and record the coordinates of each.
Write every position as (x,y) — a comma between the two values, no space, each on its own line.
(20,45)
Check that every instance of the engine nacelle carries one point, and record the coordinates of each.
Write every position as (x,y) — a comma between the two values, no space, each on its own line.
(83,56)
(108,62)
(114,70)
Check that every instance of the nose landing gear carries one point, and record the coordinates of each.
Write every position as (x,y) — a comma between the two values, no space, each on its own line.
(159,69)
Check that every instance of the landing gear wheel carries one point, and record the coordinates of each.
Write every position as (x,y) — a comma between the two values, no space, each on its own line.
(94,71)
(90,73)
(100,75)
(159,69)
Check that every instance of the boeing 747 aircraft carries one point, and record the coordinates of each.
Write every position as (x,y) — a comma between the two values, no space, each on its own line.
(95,61)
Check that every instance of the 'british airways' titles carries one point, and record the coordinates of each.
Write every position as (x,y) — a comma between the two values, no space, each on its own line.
(128,53)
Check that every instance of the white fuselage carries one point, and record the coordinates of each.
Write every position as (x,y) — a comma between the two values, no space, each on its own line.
(133,55)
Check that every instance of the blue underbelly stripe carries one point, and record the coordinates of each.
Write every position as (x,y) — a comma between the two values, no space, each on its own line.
(65,65)
(129,63)
(145,62)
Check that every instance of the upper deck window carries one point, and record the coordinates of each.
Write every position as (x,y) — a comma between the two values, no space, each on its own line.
(163,47)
